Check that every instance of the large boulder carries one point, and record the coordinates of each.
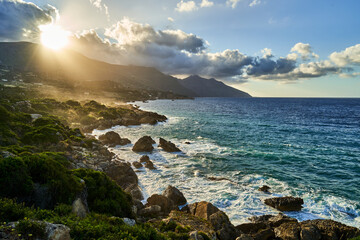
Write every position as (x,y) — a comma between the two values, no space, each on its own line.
(175,195)
(165,203)
(288,231)
(122,174)
(150,211)
(144,144)
(203,209)
(112,139)
(285,203)
(223,227)
(168,146)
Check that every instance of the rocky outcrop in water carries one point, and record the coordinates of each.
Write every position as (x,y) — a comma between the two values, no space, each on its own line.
(168,146)
(264,189)
(112,139)
(144,144)
(285,203)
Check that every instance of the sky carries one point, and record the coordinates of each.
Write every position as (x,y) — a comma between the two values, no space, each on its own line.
(269,48)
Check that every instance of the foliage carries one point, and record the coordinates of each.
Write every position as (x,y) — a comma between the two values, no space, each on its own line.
(30,229)
(104,195)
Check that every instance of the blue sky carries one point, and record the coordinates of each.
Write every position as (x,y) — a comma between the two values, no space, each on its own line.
(225,39)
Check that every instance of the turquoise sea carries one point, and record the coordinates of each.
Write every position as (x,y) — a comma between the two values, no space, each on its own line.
(308,148)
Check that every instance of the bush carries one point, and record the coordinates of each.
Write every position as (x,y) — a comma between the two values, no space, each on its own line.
(14,178)
(30,229)
(104,195)
(11,211)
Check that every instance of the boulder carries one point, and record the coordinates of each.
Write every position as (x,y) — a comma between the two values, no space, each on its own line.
(194,235)
(122,174)
(168,146)
(203,209)
(309,232)
(285,203)
(150,211)
(144,144)
(265,189)
(80,206)
(272,220)
(329,229)
(222,225)
(57,232)
(175,195)
(288,231)
(144,159)
(251,227)
(150,165)
(165,203)
(112,139)
(135,192)
(137,164)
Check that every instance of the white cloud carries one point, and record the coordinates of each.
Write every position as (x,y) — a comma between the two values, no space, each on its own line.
(267,53)
(170,19)
(206,3)
(186,6)
(349,56)
(254,3)
(304,50)
(232,3)
(101,6)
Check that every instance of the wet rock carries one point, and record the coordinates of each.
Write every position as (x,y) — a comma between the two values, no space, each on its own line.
(272,220)
(144,159)
(285,203)
(165,203)
(265,189)
(203,209)
(288,231)
(137,164)
(144,144)
(112,139)
(168,146)
(122,174)
(175,195)
(264,234)
(150,165)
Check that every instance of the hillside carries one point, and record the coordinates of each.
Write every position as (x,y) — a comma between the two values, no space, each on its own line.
(77,70)
(203,87)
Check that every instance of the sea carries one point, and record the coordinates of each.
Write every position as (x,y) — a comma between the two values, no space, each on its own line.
(301,147)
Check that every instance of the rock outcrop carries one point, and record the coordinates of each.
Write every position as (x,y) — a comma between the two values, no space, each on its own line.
(265,189)
(165,203)
(112,139)
(175,195)
(285,203)
(144,144)
(168,146)
(122,174)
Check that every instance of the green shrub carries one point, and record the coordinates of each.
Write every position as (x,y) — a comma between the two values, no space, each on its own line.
(14,178)
(87,120)
(104,195)
(30,229)
(11,211)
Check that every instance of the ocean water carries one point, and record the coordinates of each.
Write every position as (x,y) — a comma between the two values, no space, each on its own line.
(308,148)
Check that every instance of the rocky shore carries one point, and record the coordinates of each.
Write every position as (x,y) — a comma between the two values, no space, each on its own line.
(68,185)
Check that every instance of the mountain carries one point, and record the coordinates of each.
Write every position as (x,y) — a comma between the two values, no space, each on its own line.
(203,87)
(74,68)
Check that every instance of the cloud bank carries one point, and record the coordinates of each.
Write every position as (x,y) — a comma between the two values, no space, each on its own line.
(20,20)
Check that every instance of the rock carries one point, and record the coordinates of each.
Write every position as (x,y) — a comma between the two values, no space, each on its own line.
(264,234)
(6,154)
(144,144)
(288,231)
(264,188)
(144,159)
(122,174)
(271,220)
(223,227)
(188,143)
(330,229)
(285,203)
(244,237)
(138,204)
(175,195)
(35,116)
(79,208)
(135,192)
(203,209)
(251,227)
(129,222)
(309,232)
(150,211)
(112,139)
(57,232)
(150,165)
(165,203)
(148,120)
(168,146)
(194,235)
(137,164)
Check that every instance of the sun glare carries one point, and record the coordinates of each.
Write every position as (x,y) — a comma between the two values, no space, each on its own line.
(54,37)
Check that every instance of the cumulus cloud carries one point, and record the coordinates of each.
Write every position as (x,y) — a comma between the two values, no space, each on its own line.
(101,6)
(186,6)
(206,3)
(304,50)
(20,20)
(350,56)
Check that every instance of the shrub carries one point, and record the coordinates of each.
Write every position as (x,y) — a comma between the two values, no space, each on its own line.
(11,211)
(104,195)
(30,229)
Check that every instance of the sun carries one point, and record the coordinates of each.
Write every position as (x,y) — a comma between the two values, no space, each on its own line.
(54,37)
